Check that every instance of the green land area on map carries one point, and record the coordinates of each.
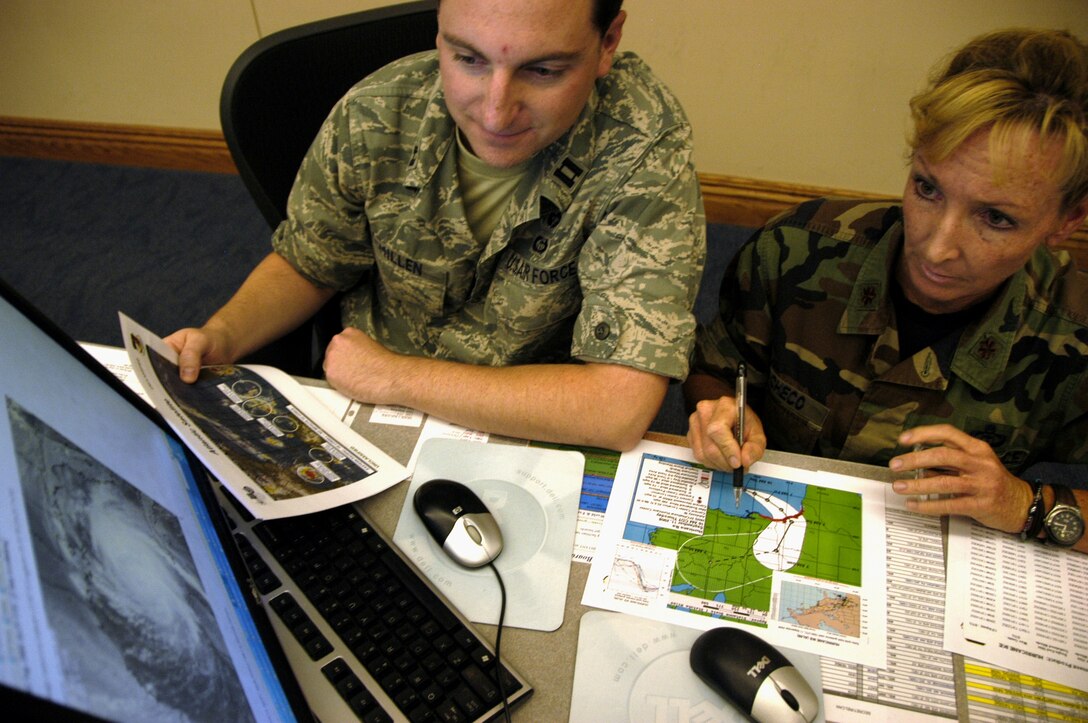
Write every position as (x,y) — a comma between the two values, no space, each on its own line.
(722,565)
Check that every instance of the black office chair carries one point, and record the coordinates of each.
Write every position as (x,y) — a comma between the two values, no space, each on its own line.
(275,98)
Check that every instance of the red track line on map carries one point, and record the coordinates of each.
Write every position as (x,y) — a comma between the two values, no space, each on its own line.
(800,513)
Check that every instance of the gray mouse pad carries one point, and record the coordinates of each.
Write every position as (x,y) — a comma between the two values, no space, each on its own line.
(533,495)
(633,669)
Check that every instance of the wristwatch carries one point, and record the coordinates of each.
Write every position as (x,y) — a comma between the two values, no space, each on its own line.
(1064,524)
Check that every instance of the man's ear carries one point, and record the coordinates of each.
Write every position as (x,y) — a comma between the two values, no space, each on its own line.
(610,41)
(1074,219)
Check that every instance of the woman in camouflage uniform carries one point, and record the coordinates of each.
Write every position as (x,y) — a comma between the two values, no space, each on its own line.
(941,333)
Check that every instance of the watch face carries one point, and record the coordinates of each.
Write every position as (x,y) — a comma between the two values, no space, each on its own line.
(1064,526)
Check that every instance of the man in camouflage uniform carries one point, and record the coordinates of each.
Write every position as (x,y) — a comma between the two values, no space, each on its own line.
(514,222)
(945,321)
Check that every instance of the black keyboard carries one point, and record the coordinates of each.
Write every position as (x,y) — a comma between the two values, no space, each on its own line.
(389,645)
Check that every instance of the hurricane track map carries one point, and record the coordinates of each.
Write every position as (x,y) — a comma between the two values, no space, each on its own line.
(801,556)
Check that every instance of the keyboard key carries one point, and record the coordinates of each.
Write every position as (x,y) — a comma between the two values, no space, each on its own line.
(482,684)
(468,702)
(483,657)
(432,695)
(336,669)
(447,677)
(457,658)
(376,716)
(449,712)
(317,647)
(362,703)
(407,699)
(421,714)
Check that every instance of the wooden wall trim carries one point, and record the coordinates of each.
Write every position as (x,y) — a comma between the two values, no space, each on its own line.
(176,148)
(751,202)
(728,199)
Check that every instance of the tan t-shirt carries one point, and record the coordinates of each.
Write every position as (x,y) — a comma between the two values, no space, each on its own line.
(485,190)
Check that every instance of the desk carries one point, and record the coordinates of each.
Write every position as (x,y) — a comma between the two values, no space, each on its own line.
(546,659)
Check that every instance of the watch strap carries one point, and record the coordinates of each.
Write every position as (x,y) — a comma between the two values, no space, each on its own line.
(1033,523)
(1064,496)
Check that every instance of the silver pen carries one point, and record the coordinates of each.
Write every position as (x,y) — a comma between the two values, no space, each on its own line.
(742,395)
(920,473)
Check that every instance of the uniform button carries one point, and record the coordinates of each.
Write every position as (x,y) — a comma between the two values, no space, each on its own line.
(602,331)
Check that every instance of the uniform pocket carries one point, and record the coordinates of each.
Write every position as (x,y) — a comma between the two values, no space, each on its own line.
(528,298)
(409,283)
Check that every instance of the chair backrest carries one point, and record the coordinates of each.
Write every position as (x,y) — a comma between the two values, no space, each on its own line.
(280,90)
(274,100)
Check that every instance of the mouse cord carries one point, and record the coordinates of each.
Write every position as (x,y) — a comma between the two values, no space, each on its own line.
(498,643)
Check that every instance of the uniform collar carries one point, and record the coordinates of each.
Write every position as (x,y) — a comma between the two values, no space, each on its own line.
(868,310)
(434,140)
(568,159)
(982,356)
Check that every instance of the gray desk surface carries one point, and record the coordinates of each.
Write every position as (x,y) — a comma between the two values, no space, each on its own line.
(546,659)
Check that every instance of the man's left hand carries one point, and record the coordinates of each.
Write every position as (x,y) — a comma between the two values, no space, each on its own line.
(361,368)
(964,476)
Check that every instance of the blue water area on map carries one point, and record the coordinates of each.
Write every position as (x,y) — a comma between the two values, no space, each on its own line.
(685,588)
(595,492)
(638,532)
(723,500)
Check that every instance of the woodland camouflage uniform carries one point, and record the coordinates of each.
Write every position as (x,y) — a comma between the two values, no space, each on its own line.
(597,258)
(811,316)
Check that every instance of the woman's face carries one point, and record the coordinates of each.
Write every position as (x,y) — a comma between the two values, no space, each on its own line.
(970,224)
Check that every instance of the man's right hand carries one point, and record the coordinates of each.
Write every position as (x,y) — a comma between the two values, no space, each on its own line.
(274,299)
(198,347)
(711,434)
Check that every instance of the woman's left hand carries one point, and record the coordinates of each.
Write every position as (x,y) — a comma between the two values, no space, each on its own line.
(964,477)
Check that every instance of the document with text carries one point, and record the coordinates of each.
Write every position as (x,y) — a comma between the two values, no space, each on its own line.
(1022,606)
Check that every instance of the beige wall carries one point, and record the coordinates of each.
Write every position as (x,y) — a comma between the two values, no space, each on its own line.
(799,91)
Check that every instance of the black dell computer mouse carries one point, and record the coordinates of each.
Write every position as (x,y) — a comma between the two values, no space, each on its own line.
(753,675)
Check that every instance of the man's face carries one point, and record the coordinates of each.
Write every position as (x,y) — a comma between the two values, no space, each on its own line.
(516,75)
(970,224)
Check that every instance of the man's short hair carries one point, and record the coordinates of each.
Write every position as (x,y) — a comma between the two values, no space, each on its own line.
(1017,83)
(604,12)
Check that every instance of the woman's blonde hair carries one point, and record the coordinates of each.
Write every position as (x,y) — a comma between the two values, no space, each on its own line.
(1020,84)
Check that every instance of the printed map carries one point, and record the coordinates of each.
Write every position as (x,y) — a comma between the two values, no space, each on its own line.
(727,554)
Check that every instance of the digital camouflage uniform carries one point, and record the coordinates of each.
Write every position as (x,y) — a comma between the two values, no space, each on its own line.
(598,256)
(809,311)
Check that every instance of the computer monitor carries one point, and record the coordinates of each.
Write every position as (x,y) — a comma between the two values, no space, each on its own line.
(122,595)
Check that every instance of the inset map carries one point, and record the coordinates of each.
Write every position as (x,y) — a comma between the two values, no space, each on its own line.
(821,609)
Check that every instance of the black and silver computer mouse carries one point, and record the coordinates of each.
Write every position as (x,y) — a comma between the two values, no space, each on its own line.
(459,521)
(753,676)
